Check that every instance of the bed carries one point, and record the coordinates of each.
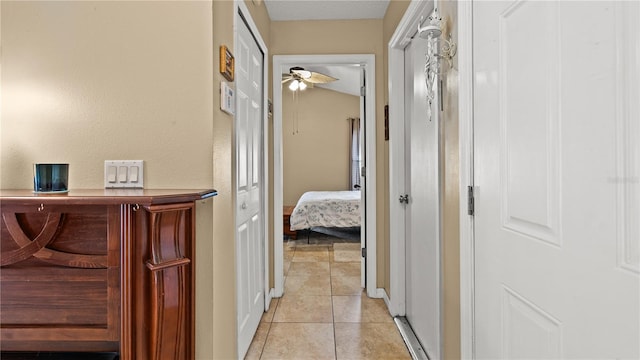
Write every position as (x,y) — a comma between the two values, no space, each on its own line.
(331,209)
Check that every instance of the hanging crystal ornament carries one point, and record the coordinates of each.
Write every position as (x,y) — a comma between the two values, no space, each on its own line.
(436,49)
(431,66)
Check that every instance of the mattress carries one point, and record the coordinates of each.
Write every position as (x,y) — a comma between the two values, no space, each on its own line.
(327,209)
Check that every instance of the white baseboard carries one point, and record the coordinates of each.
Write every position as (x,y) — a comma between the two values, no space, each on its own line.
(386,300)
(380,293)
(268,298)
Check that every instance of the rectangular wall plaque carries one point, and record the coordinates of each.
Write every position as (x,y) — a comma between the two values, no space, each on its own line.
(227,63)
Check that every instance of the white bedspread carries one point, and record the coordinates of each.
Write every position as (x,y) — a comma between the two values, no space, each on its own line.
(327,209)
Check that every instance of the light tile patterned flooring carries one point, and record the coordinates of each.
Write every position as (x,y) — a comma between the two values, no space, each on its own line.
(324,313)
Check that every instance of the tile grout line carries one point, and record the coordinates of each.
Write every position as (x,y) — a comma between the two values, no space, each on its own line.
(266,337)
(333,313)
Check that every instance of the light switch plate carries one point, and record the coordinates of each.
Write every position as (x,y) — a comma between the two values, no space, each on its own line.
(124,174)
(227,98)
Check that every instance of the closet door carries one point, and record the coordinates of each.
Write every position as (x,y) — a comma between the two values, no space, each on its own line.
(422,156)
(249,197)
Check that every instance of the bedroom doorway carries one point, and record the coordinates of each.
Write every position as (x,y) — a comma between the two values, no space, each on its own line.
(283,65)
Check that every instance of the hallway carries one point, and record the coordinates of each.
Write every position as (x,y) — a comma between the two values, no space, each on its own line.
(325,314)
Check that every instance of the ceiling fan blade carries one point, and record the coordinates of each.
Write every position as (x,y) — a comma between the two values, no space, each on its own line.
(286,77)
(319,78)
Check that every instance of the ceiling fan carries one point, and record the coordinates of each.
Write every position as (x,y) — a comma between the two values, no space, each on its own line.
(301,78)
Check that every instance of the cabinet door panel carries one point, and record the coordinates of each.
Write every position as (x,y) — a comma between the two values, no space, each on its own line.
(59,281)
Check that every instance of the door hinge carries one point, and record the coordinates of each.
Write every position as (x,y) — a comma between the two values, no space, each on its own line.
(441,96)
(363,90)
(364,252)
(470,201)
(363,171)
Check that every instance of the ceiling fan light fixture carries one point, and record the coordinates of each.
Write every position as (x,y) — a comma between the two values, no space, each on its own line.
(294,85)
(302,85)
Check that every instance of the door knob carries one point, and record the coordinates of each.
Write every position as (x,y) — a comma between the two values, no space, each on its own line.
(244,205)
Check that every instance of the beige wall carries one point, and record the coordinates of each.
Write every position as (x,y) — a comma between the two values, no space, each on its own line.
(317,156)
(83,82)
(451,194)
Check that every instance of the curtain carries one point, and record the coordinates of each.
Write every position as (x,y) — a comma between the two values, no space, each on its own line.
(354,154)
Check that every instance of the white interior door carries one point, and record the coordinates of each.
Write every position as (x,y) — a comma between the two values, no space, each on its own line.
(422,244)
(556,159)
(363,181)
(249,217)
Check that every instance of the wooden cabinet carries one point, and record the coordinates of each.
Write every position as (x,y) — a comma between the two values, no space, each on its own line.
(99,270)
(287,210)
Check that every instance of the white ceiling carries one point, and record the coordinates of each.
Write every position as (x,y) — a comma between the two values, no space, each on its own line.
(348,77)
(286,10)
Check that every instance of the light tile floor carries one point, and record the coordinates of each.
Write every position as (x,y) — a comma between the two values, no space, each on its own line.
(324,313)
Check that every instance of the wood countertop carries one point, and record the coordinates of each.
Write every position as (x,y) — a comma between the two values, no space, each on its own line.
(107,196)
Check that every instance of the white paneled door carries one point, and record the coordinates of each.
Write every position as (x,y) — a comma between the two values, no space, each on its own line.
(363,181)
(249,220)
(422,244)
(556,161)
